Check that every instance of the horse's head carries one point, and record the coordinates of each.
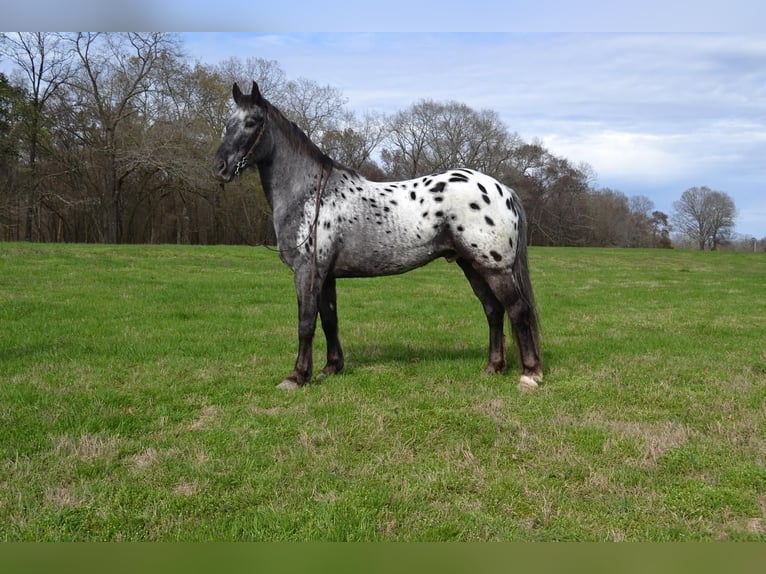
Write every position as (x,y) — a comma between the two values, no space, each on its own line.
(243,136)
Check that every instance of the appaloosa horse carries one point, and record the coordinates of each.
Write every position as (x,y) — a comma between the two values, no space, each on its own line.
(331,222)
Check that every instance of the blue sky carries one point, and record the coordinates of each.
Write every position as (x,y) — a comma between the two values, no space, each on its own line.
(657,96)
(653,114)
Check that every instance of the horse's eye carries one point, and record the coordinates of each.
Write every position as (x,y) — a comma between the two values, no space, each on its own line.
(250,123)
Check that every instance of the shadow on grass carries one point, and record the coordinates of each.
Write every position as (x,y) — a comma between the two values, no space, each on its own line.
(360,356)
(404,352)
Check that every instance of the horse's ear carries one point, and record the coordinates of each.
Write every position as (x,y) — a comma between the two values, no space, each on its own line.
(236,93)
(255,94)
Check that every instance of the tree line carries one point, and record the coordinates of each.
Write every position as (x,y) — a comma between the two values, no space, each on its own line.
(108,137)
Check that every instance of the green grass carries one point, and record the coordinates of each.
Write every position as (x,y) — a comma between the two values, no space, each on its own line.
(137,402)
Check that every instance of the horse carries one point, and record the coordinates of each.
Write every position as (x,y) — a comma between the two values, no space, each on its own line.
(331,222)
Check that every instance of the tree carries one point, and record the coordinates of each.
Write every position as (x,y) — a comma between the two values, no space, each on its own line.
(610,218)
(270,76)
(704,216)
(13,104)
(45,63)
(660,228)
(640,226)
(554,193)
(116,73)
(354,144)
(434,136)
(314,108)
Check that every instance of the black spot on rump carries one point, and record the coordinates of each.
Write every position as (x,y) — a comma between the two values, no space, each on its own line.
(489,220)
(438,188)
(495,255)
(438,199)
(481,187)
(499,189)
(458,177)
(474,206)
(486,199)
(413,196)
(439,213)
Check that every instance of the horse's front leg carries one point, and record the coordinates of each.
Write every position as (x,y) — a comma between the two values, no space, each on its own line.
(328,312)
(307,287)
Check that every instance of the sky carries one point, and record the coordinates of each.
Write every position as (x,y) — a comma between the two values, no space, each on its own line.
(652,114)
(656,96)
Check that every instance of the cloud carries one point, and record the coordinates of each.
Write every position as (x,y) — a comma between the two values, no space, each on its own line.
(643,158)
(653,114)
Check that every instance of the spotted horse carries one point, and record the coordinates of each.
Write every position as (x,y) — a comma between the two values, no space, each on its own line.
(331,222)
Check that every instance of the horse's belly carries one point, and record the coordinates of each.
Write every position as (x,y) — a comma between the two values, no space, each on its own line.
(369,257)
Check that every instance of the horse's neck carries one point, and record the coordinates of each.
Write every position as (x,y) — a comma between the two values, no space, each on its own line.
(289,179)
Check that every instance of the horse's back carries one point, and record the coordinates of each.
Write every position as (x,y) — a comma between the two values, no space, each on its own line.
(386,228)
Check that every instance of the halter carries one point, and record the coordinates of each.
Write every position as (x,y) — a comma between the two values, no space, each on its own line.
(242,163)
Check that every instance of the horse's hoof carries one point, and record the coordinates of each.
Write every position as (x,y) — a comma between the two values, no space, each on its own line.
(527,383)
(288,385)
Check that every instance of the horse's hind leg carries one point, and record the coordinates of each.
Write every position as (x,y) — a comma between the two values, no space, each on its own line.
(328,313)
(495,313)
(524,323)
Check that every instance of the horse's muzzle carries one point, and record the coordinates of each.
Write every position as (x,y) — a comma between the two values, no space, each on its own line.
(221,169)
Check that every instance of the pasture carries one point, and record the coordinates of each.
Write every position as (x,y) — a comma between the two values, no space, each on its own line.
(138,401)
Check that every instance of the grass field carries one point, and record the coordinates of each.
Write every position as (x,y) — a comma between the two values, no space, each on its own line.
(137,402)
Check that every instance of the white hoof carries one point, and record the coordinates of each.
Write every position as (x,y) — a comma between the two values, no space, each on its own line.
(288,385)
(527,383)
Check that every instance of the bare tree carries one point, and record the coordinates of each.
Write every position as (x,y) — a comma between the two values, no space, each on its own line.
(433,136)
(704,216)
(270,76)
(115,71)
(354,143)
(406,149)
(314,108)
(609,218)
(45,64)
(555,195)
(640,229)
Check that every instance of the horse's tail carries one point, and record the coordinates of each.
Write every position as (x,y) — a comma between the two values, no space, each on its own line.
(521,278)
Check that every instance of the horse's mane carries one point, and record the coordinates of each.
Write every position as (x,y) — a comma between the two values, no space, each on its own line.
(298,138)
